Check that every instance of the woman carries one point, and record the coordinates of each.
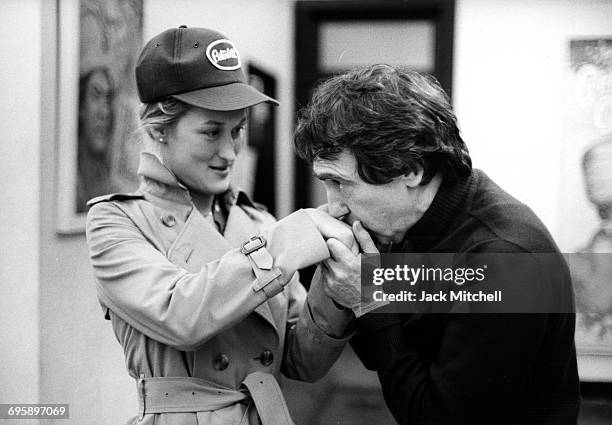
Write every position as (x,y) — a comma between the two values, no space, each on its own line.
(198,281)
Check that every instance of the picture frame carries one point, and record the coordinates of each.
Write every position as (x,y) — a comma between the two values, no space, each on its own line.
(262,138)
(587,200)
(98,44)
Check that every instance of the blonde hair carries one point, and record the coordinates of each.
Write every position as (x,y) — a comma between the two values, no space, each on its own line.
(157,115)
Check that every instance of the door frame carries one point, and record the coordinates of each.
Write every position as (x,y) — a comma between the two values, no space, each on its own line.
(309,15)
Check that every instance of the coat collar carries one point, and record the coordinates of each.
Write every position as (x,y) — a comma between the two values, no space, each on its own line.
(160,181)
(429,230)
(161,186)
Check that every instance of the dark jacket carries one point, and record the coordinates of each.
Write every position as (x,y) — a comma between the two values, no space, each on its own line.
(476,368)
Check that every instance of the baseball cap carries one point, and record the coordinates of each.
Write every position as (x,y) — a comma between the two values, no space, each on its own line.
(198,66)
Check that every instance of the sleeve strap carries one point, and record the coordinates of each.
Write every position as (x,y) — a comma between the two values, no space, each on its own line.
(262,264)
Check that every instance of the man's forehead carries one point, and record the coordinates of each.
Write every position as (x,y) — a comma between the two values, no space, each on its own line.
(343,166)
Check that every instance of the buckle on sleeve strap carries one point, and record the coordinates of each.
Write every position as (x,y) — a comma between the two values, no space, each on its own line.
(255,248)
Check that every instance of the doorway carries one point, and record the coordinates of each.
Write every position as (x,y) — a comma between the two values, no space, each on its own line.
(334,36)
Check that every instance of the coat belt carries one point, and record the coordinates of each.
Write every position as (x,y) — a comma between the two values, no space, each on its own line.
(187,394)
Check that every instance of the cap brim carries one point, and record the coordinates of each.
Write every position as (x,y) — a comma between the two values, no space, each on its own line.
(229,97)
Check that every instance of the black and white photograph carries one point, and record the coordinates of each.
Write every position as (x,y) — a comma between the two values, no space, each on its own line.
(306,212)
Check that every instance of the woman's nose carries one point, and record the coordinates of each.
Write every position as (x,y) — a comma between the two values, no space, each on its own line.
(227,148)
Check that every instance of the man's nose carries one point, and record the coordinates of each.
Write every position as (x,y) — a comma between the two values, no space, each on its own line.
(336,208)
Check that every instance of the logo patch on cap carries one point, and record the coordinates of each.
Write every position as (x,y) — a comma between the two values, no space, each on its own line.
(223,55)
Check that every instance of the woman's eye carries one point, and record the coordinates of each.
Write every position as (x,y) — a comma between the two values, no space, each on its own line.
(237,131)
(211,133)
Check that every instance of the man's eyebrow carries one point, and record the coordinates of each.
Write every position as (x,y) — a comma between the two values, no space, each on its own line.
(325,175)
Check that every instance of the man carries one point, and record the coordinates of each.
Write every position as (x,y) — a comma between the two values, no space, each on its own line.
(384,142)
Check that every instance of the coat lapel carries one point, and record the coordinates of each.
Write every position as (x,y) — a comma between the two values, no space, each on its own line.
(199,243)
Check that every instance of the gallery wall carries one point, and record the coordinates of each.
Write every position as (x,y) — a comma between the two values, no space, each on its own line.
(511,82)
(20,71)
(515,99)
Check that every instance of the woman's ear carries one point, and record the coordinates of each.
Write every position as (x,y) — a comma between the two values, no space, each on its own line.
(158,134)
(413,178)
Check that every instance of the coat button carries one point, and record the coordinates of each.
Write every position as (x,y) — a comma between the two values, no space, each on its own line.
(168,220)
(266,357)
(221,362)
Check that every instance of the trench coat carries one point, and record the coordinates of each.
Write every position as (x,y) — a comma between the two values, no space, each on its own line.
(195,313)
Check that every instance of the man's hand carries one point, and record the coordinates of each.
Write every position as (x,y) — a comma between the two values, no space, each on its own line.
(366,243)
(330,228)
(341,275)
(342,272)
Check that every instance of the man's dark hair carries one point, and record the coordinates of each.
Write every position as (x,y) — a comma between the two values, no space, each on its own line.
(391,118)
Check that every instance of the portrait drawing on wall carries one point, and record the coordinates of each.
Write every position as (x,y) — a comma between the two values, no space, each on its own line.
(110,39)
(586,211)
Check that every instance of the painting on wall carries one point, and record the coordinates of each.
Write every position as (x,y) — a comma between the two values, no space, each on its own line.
(587,199)
(99,42)
(255,170)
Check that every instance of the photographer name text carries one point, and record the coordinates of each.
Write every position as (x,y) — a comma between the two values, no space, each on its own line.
(440,296)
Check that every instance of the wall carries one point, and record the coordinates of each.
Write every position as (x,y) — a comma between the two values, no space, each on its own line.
(511,83)
(20,73)
(81,362)
(510,67)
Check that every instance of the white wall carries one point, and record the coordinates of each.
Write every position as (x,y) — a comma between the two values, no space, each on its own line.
(511,89)
(510,83)
(20,73)
(81,363)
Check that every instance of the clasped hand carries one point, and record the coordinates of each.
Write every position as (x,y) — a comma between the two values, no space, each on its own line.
(341,272)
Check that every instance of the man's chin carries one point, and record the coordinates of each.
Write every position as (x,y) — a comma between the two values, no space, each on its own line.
(383,242)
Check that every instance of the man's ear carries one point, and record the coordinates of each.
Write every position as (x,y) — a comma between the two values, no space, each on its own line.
(413,178)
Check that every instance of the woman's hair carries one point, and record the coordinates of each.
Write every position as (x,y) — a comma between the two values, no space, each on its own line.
(394,120)
(162,114)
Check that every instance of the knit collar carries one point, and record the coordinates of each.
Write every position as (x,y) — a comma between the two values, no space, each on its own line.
(160,181)
(430,228)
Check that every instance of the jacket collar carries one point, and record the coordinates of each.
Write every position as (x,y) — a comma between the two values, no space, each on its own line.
(448,202)
(160,181)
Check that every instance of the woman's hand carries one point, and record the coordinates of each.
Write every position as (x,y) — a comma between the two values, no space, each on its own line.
(331,228)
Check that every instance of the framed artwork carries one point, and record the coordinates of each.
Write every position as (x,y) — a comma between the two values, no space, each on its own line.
(587,200)
(99,42)
(262,139)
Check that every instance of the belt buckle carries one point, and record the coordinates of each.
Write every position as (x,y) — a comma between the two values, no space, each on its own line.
(253,244)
